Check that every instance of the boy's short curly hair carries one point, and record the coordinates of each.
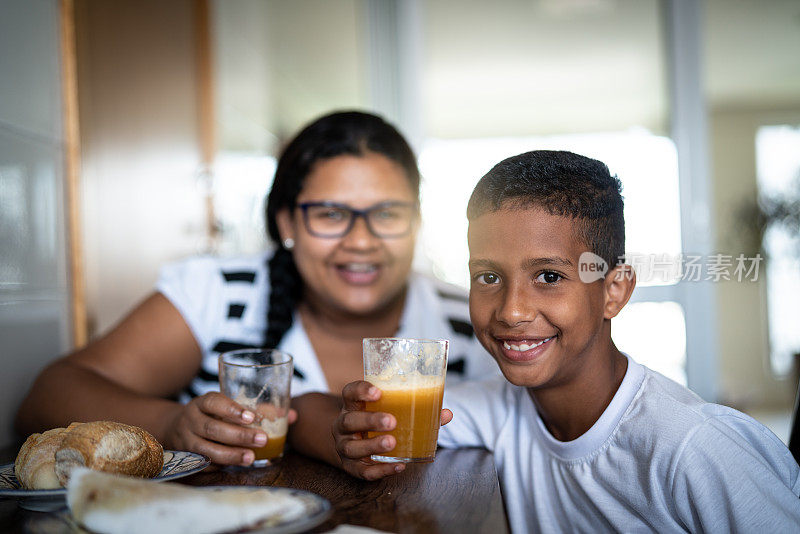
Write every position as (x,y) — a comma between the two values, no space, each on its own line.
(564,184)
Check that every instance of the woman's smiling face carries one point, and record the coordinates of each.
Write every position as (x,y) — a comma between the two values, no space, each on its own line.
(528,306)
(358,273)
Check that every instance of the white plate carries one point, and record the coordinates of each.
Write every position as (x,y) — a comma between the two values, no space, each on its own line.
(176,464)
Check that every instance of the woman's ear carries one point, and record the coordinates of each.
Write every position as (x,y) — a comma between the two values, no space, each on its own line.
(618,286)
(285,222)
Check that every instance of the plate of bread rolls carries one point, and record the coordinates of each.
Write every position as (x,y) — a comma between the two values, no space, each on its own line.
(39,476)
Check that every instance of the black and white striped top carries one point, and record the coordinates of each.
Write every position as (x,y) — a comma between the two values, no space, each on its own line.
(224,303)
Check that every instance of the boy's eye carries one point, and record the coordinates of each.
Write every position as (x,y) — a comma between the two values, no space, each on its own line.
(548,277)
(487,278)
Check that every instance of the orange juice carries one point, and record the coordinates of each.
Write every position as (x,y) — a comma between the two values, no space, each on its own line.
(272,450)
(417,410)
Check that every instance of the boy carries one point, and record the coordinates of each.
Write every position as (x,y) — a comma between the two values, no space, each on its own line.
(584,438)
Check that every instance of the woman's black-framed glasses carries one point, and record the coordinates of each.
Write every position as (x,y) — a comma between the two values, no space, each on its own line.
(331,219)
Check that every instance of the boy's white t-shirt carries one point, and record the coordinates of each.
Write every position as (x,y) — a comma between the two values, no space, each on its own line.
(658,459)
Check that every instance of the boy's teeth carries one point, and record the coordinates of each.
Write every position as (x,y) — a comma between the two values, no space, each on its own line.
(522,347)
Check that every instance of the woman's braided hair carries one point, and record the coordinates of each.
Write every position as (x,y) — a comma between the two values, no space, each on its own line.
(349,132)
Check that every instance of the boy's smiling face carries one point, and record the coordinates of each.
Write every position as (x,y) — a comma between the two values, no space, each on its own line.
(528,306)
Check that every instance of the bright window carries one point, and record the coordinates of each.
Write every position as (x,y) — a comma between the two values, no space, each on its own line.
(654,333)
(240,185)
(778,168)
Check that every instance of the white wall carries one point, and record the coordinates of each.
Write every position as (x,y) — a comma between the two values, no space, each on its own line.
(34,321)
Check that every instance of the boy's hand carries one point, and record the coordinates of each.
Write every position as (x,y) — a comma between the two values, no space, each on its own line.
(350,433)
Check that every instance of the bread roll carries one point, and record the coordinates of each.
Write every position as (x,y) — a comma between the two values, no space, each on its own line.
(112,504)
(35,463)
(108,446)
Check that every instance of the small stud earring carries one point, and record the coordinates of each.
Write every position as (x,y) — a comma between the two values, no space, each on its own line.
(288,243)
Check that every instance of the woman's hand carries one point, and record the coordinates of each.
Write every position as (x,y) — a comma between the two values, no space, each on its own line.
(350,433)
(216,426)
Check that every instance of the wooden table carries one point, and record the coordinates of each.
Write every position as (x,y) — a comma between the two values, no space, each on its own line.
(458,492)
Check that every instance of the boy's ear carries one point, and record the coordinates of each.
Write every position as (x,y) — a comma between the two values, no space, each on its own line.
(618,286)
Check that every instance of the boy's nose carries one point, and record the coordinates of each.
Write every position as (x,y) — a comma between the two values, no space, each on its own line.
(517,307)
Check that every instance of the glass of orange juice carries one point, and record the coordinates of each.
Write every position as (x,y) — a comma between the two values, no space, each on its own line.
(410,374)
(260,380)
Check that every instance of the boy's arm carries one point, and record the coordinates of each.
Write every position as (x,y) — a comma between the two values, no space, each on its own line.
(334,430)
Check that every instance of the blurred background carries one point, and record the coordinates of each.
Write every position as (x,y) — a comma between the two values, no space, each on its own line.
(136,132)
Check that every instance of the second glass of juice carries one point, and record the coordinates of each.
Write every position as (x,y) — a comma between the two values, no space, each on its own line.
(260,380)
(410,374)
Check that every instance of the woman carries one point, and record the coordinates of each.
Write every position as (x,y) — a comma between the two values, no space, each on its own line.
(344,213)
